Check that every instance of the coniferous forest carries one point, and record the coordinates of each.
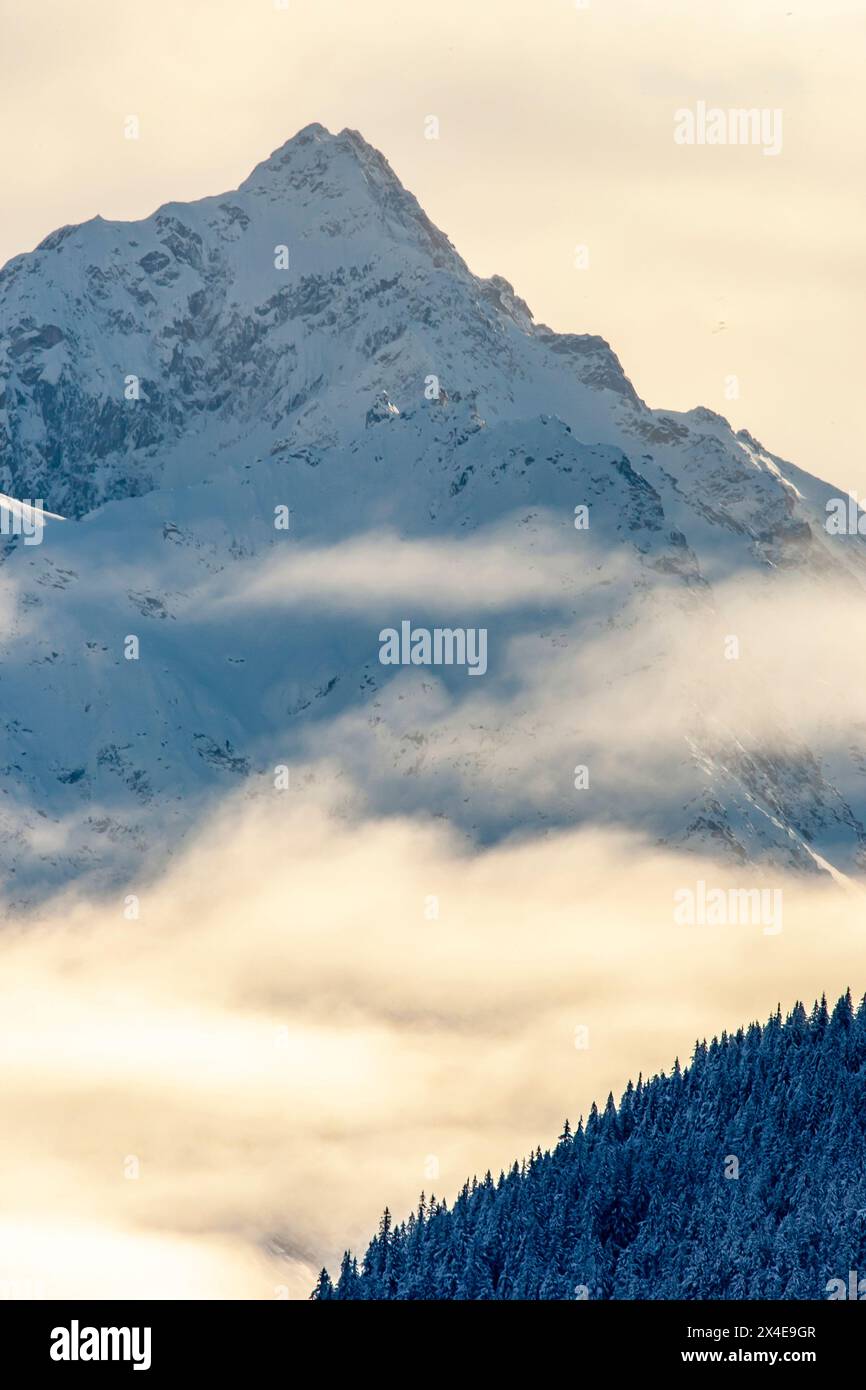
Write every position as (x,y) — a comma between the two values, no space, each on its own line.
(742,1176)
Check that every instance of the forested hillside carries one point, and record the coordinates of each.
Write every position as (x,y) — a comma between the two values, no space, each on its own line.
(741,1176)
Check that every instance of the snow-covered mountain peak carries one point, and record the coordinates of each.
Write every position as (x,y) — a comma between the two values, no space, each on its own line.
(312,158)
(351,186)
(268,319)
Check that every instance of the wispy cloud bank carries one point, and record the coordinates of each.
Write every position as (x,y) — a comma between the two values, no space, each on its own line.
(497,570)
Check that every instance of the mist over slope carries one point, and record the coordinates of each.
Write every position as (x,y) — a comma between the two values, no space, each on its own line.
(283,419)
(312,1013)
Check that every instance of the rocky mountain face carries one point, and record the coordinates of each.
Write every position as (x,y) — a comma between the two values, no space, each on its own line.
(281,419)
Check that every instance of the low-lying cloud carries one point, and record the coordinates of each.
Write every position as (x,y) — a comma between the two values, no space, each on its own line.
(500,569)
(316,1013)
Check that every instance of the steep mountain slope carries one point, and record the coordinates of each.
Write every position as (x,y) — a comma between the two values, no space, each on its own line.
(311,342)
(741,1176)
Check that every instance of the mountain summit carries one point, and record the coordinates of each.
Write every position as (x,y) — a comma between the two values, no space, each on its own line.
(279,309)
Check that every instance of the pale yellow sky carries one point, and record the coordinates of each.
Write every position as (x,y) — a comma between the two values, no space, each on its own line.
(556,130)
